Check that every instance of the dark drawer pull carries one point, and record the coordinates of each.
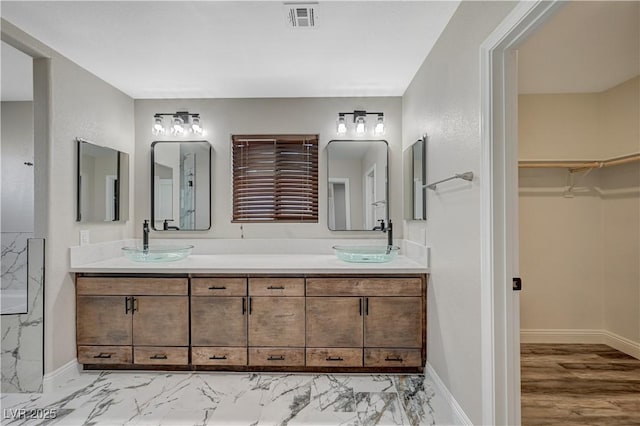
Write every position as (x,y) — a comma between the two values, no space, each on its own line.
(218,357)
(275,287)
(396,359)
(102,355)
(334,358)
(217,288)
(275,358)
(158,356)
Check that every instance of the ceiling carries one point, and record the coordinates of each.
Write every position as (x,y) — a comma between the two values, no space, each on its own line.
(214,49)
(585,47)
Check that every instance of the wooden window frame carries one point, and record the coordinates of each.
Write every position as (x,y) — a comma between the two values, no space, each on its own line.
(282,185)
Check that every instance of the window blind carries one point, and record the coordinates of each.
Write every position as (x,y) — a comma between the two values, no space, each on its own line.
(275,178)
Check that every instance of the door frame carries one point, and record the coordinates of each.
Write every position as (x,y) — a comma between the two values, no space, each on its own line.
(500,305)
(347,200)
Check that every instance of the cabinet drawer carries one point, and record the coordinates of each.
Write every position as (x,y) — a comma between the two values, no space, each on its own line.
(160,355)
(105,355)
(218,356)
(218,286)
(364,287)
(334,357)
(132,286)
(276,286)
(392,358)
(276,356)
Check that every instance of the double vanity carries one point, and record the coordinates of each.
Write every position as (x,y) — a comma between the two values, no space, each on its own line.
(250,304)
(259,312)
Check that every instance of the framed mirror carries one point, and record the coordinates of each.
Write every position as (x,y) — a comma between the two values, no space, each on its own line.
(181,186)
(102,183)
(357,187)
(415,193)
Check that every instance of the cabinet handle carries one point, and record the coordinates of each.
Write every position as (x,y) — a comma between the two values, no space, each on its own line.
(275,287)
(102,355)
(217,288)
(244,305)
(275,358)
(360,306)
(250,306)
(218,357)
(366,306)
(158,356)
(134,305)
(334,358)
(126,305)
(396,359)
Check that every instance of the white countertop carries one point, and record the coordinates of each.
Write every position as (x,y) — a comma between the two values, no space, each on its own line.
(255,264)
(311,256)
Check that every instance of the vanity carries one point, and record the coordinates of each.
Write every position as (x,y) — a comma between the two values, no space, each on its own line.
(276,312)
(286,305)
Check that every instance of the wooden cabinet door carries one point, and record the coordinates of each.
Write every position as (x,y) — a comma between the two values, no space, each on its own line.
(218,321)
(276,321)
(103,320)
(393,322)
(334,322)
(161,321)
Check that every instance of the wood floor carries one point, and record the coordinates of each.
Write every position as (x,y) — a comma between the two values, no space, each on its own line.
(579,385)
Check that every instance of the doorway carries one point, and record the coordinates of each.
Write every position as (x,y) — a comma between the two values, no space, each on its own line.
(579,212)
(499,207)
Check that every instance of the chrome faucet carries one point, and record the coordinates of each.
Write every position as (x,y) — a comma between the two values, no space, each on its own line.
(145,236)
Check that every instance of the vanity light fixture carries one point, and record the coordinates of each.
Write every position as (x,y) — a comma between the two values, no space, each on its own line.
(360,122)
(182,123)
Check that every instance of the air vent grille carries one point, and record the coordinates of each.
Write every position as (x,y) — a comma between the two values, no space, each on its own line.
(302,15)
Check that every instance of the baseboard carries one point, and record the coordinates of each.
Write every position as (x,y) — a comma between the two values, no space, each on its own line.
(557,335)
(589,336)
(459,416)
(60,375)
(622,344)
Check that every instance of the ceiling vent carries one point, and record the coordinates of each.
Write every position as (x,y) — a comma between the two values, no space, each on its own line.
(302,15)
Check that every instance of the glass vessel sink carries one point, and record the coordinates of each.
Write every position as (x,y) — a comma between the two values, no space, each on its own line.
(366,254)
(157,253)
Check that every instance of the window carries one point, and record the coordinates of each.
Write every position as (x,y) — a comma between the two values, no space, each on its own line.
(275,178)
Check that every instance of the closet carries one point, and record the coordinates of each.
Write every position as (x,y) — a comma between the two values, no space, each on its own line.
(579,186)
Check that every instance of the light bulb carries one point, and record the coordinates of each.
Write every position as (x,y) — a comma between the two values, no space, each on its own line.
(196,128)
(379,130)
(178,128)
(342,125)
(158,126)
(360,125)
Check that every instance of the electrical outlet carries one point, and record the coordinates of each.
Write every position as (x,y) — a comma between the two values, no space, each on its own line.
(84,237)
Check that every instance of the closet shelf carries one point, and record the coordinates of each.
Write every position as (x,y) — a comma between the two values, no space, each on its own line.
(578,165)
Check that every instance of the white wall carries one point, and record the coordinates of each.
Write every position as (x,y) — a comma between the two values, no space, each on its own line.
(443,101)
(225,117)
(80,105)
(17,177)
(621,251)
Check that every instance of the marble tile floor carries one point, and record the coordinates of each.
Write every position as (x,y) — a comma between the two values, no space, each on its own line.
(161,398)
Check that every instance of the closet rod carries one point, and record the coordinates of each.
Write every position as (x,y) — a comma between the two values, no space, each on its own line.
(578,165)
